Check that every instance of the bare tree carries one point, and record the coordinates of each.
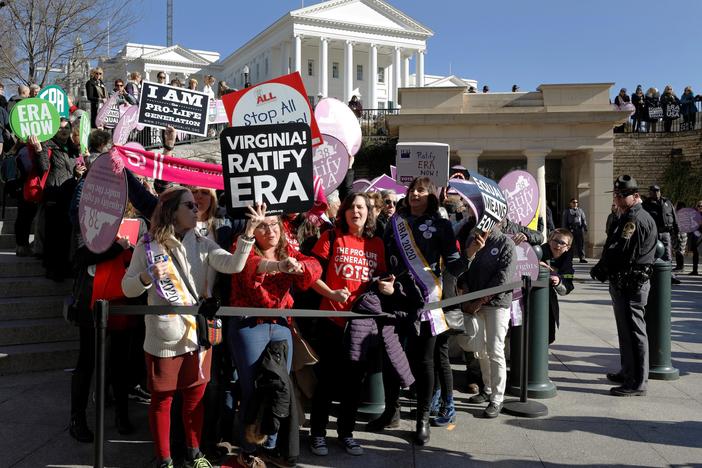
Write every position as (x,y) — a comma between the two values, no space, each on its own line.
(44,33)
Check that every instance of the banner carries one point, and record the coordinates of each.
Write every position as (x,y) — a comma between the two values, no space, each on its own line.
(183,109)
(689,219)
(84,132)
(34,116)
(422,160)
(102,204)
(158,166)
(58,97)
(484,197)
(216,112)
(336,118)
(331,162)
(277,101)
(522,194)
(271,164)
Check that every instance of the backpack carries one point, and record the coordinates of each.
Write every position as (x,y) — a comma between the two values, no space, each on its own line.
(33,189)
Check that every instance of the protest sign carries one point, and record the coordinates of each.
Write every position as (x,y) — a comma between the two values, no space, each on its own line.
(331,161)
(280,100)
(58,97)
(216,112)
(385,182)
(336,118)
(34,116)
(271,164)
(422,160)
(108,113)
(183,109)
(484,197)
(522,194)
(84,132)
(127,122)
(102,204)
(129,229)
(689,219)
(360,185)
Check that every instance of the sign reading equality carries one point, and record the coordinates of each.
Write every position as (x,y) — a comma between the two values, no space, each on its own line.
(183,109)
(485,199)
(271,164)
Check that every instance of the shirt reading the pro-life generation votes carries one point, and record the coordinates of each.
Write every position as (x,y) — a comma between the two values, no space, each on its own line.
(353,263)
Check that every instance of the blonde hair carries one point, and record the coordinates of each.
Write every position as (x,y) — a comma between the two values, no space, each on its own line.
(192,81)
(134,76)
(95,71)
(212,210)
(164,218)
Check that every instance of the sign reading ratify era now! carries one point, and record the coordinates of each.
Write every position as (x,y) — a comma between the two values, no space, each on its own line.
(270,164)
(183,109)
(422,160)
(277,101)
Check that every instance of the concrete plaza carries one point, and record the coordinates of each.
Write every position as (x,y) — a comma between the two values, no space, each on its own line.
(585,425)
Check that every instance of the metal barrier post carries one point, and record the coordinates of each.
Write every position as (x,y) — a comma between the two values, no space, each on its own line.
(101,310)
(658,322)
(373,396)
(540,386)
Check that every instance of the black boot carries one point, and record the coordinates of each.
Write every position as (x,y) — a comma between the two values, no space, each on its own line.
(78,428)
(422,434)
(390,419)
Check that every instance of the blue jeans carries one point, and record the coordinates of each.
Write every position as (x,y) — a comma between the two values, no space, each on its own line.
(247,341)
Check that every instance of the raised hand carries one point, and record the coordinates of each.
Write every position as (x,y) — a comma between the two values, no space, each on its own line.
(256,216)
(476,244)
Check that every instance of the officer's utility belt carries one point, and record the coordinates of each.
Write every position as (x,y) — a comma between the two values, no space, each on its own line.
(633,278)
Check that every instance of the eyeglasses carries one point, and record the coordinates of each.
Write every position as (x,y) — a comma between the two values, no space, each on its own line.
(190,205)
(390,202)
(559,242)
(120,85)
(575,201)
(161,77)
(268,227)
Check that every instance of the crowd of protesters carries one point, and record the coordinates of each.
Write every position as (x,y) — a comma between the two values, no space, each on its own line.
(650,108)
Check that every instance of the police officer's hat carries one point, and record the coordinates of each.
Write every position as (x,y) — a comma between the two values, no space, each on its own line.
(626,184)
(654,188)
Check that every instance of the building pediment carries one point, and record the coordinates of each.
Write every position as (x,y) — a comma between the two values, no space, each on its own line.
(176,54)
(364,14)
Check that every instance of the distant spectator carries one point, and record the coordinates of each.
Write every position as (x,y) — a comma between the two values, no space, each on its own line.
(356,106)
(34,90)
(622,98)
(208,86)
(652,99)
(222,89)
(687,108)
(176,82)
(123,97)
(192,84)
(471,89)
(515,88)
(668,100)
(639,102)
(96,92)
(133,87)
(486,89)
(611,218)
(161,77)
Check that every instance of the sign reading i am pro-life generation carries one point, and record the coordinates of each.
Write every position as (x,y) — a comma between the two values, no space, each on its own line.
(422,160)
(183,109)
(102,204)
(277,101)
(34,116)
(269,164)
(58,97)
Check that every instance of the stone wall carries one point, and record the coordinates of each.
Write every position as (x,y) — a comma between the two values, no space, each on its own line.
(646,156)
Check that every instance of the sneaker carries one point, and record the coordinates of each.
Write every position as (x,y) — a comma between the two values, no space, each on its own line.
(625,391)
(318,446)
(139,394)
(582,260)
(248,460)
(351,446)
(199,462)
(481,397)
(446,416)
(165,464)
(435,403)
(492,410)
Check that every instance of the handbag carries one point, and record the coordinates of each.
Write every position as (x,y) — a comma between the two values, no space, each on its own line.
(454,320)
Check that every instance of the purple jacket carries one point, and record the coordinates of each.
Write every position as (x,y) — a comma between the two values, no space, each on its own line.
(365,335)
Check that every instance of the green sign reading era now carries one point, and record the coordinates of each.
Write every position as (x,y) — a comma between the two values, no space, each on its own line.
(34,116)
(58,97)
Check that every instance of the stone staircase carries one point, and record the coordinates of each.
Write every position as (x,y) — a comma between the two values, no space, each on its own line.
(33,333)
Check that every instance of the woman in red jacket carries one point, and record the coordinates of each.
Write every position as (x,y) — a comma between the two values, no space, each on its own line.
(270,272)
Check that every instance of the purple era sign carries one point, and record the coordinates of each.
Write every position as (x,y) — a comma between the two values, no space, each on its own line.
(102,203)
(331,161)
(385,182)
(127,123)
(336,119)
(522,194)
(689,219)
(527,264)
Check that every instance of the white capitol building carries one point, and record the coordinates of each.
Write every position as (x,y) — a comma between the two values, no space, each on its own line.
(341,48)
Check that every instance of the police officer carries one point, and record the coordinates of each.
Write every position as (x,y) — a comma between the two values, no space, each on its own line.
(627,260)
(663,213)
(574,220)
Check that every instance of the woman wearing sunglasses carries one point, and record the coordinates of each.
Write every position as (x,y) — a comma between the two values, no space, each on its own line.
(558,258)
(171,263)
(388,208)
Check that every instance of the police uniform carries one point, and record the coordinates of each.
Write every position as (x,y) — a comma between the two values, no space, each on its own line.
(626,262)
(663,213)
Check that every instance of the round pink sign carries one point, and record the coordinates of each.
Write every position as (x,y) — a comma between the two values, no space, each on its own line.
(689,219)
(331,161)
(336,119)
(522,195)
(102,204)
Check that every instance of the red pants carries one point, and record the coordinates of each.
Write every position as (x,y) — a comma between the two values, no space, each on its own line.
(160,418)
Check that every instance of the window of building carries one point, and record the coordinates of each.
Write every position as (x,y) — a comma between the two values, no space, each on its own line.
(310,67)
(335,70)
(381,75)
(258,72)
(265,66)
(359,72)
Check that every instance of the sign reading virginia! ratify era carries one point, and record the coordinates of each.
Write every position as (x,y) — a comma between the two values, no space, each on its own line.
(182,109)
(270,164)
(34,116)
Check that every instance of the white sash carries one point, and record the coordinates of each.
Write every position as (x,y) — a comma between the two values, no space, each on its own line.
(429,284)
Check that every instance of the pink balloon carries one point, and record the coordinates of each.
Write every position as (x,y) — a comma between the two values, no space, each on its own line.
(336,119)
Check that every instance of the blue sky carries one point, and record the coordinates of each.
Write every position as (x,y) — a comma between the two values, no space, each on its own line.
(499,43)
